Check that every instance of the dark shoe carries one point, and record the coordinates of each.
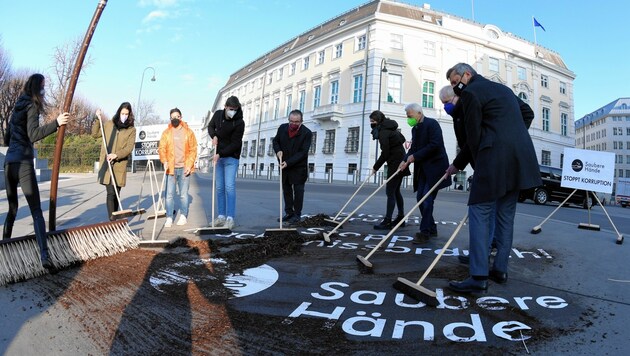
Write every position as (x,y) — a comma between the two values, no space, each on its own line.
(498,277)
(386,224)
(433,233)
(286,217)
(465,259)
(49,266)
(421,238)
(468,285)
(397,220)
(295,219)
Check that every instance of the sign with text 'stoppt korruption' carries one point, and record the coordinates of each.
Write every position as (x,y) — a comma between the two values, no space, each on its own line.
(588,170)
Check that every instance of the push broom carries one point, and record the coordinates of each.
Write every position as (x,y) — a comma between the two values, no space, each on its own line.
(213,229)
(366,265)
(415,290)
(280,230)
(327,235)
(20,258)
(333,221)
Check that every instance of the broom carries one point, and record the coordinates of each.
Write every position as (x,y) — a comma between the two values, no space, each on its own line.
(538,228)
(280,230)
(20,256)
(333,221)
(158,207)
(327,235)
(366,265)
(212,229)
(415,290)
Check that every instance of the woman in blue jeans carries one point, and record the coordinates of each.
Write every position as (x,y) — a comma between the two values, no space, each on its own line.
(226,129)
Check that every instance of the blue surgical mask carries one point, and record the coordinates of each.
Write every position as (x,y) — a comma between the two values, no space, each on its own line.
(449,108)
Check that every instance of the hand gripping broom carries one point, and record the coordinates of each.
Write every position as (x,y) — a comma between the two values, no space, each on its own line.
(19,258)
(281,230)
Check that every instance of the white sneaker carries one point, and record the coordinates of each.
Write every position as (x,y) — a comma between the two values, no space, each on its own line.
(182,220)
(229,222)
(169,222)
(219,221)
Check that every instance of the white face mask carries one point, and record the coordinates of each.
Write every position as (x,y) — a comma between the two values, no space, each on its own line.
(42,92)
(123,118)
(231,113)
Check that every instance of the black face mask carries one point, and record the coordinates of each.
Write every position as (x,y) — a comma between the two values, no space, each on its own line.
(175,122)
(459,88)
(373,125)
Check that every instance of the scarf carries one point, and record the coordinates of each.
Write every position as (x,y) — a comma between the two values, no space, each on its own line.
(293,132)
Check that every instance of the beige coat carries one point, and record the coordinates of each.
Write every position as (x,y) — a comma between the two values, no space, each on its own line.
(122,146)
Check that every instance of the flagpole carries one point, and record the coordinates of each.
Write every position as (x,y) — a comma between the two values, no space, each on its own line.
(535,42)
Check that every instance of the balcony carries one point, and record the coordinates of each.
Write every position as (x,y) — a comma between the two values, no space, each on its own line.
(327,112)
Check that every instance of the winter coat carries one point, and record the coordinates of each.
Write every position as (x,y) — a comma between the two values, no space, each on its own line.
(294,152)
(496,122)
(229,132)
(430,158)
(166,148)
(392,150)
(24,130)
(119,141)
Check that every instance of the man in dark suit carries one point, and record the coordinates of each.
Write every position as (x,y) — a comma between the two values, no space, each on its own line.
(495,123)
(430,160)
(291,144)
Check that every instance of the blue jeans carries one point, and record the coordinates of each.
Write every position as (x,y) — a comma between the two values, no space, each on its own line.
(427,222)
(226,186)
(481,216)
(182,186)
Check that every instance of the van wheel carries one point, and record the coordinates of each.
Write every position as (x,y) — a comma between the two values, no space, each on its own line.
(588,202)
(541,196)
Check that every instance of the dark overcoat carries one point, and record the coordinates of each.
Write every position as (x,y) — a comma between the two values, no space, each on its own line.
(496,122)
(294,152)
(430,158)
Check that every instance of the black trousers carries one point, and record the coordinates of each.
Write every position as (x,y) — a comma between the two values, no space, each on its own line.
(293,198)
(112,200)
(24,174)
(394,197)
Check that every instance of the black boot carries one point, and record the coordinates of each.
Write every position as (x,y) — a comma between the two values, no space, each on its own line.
(386,224)
(397,220)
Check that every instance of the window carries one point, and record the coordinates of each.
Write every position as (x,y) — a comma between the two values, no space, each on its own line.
(311,167)
(352,142)
(429,48)
(257,113)
(493,64)
(522,73)
(628,131)
(261,147)
(306,62)
(545,119)
(523,96)
(620,173)
(320,57)
(614,145)
(563,88)
(561,160)
(329,167)
(545,158)
(270,151)
(428,91)
(357,92)
(252,149)
(276,108)
(627,159)
(244,150)
(329,142)
(544,81)
(302,99)
(289,104)
(352,167)
(334,92)
(317,94)
(280,73)
(266,110)
(564,124)
(361,40)
(292,68)
(394,83)
(313,148)
(396,41)
(269,78)
(338,50)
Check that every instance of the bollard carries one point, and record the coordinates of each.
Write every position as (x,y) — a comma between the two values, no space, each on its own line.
(330,176)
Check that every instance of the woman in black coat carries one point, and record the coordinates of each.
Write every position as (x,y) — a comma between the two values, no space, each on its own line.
(24,130)
(392,151)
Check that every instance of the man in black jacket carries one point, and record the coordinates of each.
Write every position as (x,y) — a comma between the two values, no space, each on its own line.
(291,144)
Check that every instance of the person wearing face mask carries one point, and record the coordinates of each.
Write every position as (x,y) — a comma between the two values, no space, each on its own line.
(495,125)
(120,136)
(392,151)
(178,152)
(23,130)
(291,145)
(226,129)
(429,158)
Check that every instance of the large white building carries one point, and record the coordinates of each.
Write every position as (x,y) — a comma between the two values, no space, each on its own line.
(383,55)
(607,129)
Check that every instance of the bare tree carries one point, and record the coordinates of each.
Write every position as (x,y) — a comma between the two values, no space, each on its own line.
(64,58)
(5,69)
(145,114)
(10,92)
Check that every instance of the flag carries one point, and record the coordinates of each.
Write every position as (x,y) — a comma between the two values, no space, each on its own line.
(536,23)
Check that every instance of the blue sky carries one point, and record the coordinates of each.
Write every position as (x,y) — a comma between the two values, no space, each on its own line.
(194,45)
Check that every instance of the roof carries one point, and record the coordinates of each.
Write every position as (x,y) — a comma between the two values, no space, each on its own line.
(619,106)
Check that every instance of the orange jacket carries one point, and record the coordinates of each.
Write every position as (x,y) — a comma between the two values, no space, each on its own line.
(167,151)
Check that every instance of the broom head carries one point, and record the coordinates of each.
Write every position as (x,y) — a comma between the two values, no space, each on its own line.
(416,291)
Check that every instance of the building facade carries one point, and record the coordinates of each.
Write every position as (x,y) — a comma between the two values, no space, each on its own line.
(384,55)
(607,129)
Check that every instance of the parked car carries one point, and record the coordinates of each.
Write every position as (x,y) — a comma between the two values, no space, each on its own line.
(551,190)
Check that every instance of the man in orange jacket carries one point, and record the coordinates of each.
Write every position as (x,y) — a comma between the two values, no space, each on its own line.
(178,152)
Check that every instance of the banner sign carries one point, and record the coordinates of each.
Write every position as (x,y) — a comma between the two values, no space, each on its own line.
(588,170)
(147,140)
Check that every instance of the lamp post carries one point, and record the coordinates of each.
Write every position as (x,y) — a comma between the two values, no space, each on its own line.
(380,91)
(141,82)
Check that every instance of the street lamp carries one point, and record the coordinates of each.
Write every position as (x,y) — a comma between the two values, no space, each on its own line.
(380,80)
(141,82)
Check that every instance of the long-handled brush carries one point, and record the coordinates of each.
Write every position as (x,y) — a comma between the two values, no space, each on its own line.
(121,213)
(333,221)
(213,229)
(281,230)
(328,235)
(415,290)
(619,240)
(364,264)
(538,228)
(159,210)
